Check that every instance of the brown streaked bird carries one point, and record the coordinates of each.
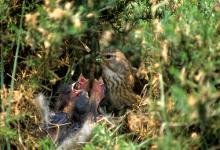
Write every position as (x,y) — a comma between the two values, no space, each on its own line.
(118,76)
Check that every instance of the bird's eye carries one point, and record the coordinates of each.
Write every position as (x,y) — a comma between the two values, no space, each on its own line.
(108,56)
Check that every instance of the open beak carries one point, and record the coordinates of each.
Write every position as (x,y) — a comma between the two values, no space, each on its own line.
(81,84)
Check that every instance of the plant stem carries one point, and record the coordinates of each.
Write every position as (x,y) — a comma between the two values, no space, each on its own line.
(18,42)
(2,79)
(162,99)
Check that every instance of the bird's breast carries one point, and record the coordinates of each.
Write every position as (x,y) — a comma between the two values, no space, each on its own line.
(119,88)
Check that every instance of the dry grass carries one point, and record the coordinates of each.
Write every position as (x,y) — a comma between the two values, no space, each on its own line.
(24,118)
(176,42)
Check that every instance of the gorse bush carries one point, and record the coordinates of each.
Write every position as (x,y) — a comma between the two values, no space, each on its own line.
(173,44)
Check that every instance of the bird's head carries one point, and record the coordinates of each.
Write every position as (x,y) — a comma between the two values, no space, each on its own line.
(97,91)
(115,61)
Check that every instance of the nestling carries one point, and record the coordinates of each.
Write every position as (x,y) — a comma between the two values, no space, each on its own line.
(75,118)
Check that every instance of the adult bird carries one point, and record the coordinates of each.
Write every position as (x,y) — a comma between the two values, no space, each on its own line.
(119,79)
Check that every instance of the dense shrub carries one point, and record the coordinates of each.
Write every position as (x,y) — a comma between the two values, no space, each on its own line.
(174,43)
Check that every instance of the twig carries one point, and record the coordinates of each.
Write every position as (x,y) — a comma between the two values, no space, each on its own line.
(20,138)
(55,125)
(162,98)
(85,46)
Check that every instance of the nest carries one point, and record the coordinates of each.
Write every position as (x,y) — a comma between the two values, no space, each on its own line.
(142,124)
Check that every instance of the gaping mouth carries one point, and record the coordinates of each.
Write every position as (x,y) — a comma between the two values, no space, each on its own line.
(75,90)
(80,85)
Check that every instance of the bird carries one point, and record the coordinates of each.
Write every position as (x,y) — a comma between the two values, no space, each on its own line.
(68,94)
(75,119)
(73,138)
(119,78)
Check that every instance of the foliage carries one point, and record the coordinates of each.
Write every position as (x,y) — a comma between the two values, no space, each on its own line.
(105,139)
(175,44)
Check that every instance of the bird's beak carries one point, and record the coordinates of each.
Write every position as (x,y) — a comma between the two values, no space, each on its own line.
(99,59)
